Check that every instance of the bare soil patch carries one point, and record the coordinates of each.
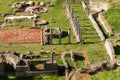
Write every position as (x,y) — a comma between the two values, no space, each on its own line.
(20,35)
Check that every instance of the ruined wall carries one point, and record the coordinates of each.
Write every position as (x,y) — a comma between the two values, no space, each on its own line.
(84,6)
(11,17)
(110,49)
(97,27)
(98,6)
(105,24)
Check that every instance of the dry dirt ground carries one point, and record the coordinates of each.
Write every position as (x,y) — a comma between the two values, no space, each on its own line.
(20,35)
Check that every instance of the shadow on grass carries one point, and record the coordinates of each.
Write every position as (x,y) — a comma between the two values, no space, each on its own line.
(26,78)
(64,34)
(17,78)
(101,27)
(70,68)
(89,42)
(117,50)
(78,57)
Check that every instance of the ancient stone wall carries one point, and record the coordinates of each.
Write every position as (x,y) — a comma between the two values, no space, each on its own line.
(97,27)
(11,17)
(105,24)
(110,49)
(98,6)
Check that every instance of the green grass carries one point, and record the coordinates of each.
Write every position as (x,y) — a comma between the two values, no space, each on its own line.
(56,17)
(113,18)
(18,24)
(107,75)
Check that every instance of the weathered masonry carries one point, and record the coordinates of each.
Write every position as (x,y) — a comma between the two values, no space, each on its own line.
(28,67)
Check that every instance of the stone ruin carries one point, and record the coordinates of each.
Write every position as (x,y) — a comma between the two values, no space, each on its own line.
(28,10)
(30,6)
(2,64)
(117,42)
(49,34)
(1,24)
(98,6)
(28,67)
(39,22)
(105,65)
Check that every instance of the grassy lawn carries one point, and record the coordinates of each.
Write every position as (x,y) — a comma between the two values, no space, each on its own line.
(107,75)
(18,24)
(56,17)
(113,17)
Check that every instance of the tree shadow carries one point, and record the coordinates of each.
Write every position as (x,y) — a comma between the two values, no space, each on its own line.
(117,50)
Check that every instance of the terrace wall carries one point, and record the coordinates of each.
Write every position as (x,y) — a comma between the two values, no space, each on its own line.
(97,27)
(105,24)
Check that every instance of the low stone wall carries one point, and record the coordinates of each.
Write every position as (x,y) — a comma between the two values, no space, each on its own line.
(110,49)
(65,64)
(98,6)
(85,7)
(105,24)
(12,59)
(96,27)
(11,17)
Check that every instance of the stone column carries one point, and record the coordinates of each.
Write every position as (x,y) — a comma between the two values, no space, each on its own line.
(45,35)
(87,9)
(81,41)
(52,56)
(48,38)
(59,32)
(34,22)
(51,36)
(41,36)
(69,40)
